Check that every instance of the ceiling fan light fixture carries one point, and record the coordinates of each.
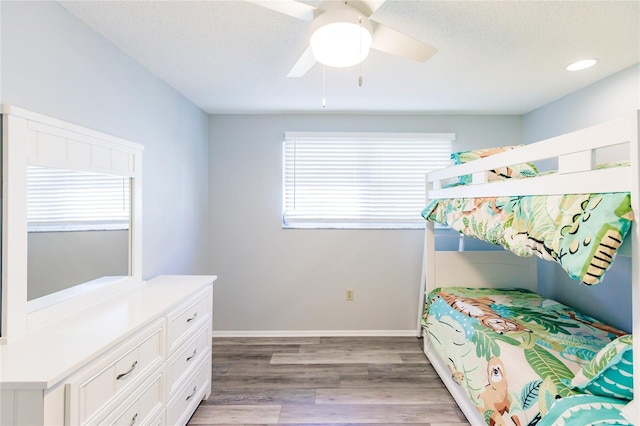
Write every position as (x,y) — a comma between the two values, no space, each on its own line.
(341,37)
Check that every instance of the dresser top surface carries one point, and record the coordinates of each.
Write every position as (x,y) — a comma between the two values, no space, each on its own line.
(44,357)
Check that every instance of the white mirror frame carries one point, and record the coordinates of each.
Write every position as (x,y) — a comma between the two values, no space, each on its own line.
(33,139)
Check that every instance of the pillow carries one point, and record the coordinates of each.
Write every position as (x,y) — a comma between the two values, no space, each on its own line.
(501,173)
(581,410)
(610,372)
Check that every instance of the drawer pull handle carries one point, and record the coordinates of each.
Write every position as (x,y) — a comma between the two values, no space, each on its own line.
(133,419)
(192,318)
(126,373)
(189,358)
(195,388)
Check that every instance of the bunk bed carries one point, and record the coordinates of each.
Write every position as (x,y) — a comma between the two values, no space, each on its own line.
(507,354)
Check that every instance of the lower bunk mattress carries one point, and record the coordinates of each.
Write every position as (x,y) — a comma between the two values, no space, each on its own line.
(522,359)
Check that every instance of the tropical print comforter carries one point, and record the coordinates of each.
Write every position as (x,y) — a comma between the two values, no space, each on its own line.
(582,232)
(512,351)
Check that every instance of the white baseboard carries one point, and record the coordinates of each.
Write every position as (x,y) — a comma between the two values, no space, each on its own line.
(314,333)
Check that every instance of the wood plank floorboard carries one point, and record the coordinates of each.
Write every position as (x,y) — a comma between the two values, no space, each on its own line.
(326,381)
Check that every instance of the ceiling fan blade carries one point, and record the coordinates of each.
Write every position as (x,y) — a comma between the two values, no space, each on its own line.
(288,7)
(391,41)
(303,65)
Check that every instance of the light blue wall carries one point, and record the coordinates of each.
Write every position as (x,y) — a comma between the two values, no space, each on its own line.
(604,100)
(53,64)
(273,279)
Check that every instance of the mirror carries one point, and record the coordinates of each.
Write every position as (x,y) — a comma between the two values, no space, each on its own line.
(78,229)
(51,273)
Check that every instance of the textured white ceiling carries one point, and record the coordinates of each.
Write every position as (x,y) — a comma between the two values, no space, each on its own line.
(494,56)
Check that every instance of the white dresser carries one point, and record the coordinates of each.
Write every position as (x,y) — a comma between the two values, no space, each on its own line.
(140,358)
(111,350)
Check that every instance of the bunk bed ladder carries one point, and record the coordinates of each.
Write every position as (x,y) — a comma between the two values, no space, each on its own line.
(427,277)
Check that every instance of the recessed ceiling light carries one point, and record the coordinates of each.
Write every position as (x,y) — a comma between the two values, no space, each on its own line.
(582,65)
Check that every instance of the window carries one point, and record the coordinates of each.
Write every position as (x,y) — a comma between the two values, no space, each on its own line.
(359,180)
(69,200)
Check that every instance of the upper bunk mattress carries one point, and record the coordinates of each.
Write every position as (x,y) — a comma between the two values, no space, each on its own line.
(582,232)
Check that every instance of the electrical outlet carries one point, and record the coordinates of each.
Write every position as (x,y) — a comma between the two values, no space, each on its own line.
(350,295)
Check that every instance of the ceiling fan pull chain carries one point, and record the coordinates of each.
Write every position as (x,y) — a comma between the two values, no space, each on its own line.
(360,50)
(323,84)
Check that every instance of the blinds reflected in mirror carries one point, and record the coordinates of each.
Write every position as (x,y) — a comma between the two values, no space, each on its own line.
(69,200)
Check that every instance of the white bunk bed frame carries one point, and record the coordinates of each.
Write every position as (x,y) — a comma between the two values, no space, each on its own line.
(575,153)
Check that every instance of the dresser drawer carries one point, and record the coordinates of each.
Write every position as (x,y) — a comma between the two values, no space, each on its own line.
(144,406)
(187,398)
(187,357)
(114,376)
(184,320)
(158,420)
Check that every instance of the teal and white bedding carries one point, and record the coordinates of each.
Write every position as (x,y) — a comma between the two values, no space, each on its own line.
(581,232)
(581,410)
(520,357)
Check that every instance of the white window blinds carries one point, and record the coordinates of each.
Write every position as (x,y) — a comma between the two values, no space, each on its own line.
(59,200)
(359,180)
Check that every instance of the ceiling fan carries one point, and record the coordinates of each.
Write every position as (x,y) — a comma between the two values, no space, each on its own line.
(341,33)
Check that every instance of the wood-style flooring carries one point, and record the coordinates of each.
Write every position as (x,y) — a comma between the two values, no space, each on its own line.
(325,381)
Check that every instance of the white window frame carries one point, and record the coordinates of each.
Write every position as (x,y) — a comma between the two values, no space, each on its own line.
(375,196)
